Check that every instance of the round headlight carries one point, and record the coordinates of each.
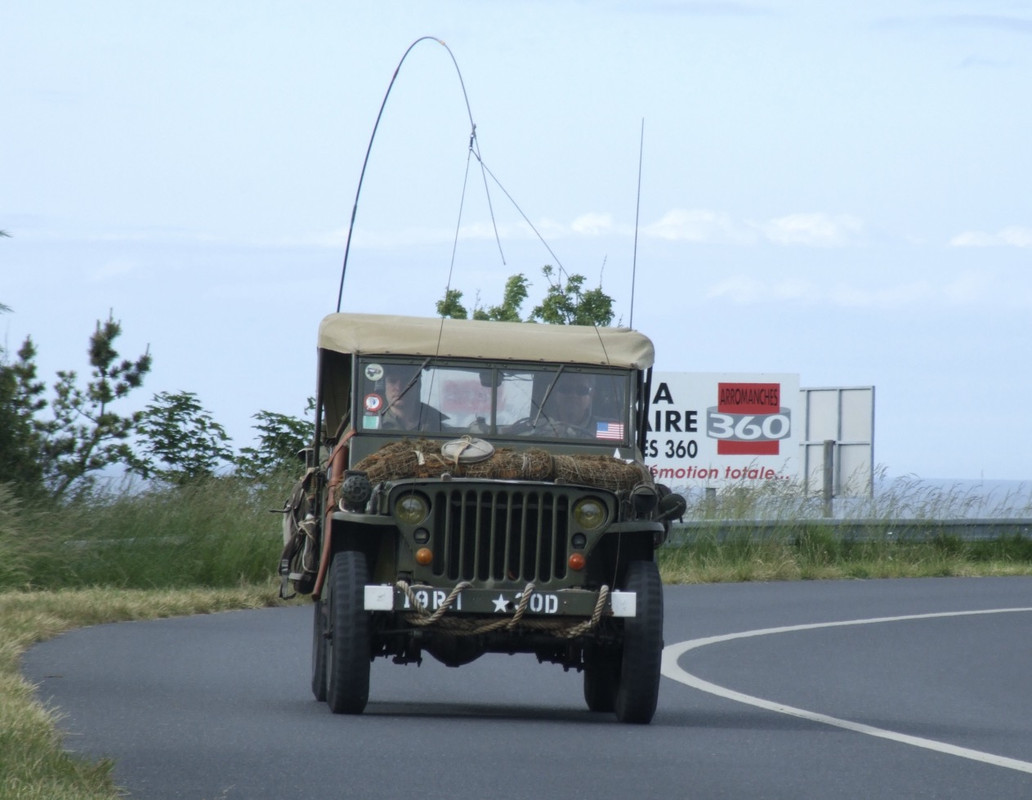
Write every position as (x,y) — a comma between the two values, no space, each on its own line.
(589,513)
(411,509)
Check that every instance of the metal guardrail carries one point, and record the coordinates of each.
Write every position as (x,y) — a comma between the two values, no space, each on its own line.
(912,530)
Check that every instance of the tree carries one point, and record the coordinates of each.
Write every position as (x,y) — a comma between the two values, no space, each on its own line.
(280,438)
(451,305)
(181,443)
(512,300)
(508,311)
(564,304)
(86,434)
(570,304)
(54,456)
(20,400)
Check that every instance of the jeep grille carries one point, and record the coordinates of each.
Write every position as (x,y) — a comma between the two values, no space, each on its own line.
(507,534)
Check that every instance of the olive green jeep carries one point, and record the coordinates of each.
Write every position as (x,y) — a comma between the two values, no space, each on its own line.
(477,487)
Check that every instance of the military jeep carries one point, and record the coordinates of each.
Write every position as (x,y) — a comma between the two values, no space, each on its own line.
(477,487)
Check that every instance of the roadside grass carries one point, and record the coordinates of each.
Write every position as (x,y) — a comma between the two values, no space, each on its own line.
(218,532)
(819,555)
(800,545)
(903,498)
(214,546)
(130,555)
(33,763)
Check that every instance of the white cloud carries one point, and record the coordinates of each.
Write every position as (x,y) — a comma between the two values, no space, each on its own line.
(813,229)
(963,290)
(693,226)
(700,226)
(481,230)
(592,224)
(548,229)
(1013,236)
(112,270)
(334,239)
(746,290)
(796,290)
(739,289)
(968,287)
(971,239)
(884,297)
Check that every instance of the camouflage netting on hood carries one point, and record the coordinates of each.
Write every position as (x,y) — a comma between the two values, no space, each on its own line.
(423,459)
(603,472)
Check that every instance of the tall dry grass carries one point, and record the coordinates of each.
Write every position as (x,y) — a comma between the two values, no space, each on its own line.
(778,532)
(220,532)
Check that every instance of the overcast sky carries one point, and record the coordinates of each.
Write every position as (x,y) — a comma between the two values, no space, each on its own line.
(837,190)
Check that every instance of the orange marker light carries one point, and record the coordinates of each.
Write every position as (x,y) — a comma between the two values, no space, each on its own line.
(424,556)
(576,561)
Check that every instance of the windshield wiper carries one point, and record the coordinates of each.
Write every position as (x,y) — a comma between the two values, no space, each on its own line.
(548,392)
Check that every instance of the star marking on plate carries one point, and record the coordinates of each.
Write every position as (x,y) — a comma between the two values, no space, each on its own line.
(500,604)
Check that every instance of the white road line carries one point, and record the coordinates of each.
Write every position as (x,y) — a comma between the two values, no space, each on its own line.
(673,653)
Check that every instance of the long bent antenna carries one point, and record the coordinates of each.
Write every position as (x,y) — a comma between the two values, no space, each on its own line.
(474,146)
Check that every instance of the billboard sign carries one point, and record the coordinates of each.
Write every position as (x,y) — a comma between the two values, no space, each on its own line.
(715,429)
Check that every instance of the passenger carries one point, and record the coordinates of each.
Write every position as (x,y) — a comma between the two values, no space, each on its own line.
(405,411)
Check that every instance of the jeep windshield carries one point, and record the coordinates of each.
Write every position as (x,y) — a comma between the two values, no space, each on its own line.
(555,402)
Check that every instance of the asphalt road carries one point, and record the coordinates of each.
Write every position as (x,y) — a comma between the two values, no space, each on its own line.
(218,707)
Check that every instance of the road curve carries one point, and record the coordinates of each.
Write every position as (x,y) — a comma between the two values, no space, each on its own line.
(219,707)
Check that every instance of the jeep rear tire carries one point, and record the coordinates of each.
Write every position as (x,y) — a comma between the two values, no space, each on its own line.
(347,647)
(638,692)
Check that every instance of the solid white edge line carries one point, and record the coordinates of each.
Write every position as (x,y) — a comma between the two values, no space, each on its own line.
(672,670)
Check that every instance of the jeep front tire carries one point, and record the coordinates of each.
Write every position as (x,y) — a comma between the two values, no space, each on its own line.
(348,645)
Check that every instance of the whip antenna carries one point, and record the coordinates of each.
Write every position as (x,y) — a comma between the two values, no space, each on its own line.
(474,147)
(637,209)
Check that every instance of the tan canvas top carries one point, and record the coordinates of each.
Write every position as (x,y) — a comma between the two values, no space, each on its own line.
(379,334)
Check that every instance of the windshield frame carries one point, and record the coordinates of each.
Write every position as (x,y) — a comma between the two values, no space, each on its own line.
(488,398)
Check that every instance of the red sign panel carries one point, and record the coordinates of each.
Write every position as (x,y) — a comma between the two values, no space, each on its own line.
(749,418)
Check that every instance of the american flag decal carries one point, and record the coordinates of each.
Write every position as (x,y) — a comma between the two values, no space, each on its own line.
(609,430)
